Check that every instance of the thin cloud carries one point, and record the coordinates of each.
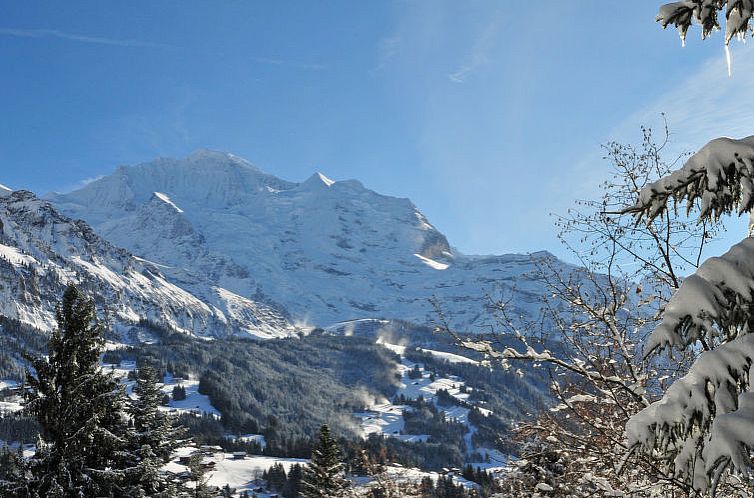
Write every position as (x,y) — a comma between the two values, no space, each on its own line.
(54,33)
(704,105)
(463,72)
(387,49)
(478,57)
(287,63)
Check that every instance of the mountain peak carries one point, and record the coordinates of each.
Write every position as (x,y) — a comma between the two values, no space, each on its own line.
(352,251)
(318,180)
(207,155)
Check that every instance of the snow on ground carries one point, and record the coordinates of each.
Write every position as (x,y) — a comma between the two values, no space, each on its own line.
(15,256)
(114,346)
(11,403)
(400,474)
(494,460)
(383,418)
(387,418)
(5,384)
(348,327)
(449,357)
(194,402)
(399,350)
(239,474)
(9,407)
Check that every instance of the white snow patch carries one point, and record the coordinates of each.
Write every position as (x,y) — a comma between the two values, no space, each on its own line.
(400,474)
(6,384)
(239,474)
(324,179)
(166,199)
(384,418)
(9,407)
(194,402)
(432,263)
(15,256)
(449,357)
(401,350)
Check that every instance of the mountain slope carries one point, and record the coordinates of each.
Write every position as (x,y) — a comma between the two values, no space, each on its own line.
(325,250)
(42,250)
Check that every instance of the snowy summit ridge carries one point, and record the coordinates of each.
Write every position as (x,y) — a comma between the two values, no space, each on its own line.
(324,250)
(42,250)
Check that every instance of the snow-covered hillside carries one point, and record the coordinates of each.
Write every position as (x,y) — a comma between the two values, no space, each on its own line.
(41,251)
(325,250)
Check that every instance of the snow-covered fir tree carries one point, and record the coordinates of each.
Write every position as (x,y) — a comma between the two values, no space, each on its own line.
(324,477)
(702,430)
(83,448)
(199,478)
(12,469)
(153,437)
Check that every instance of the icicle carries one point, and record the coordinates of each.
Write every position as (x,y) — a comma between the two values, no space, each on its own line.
(728,60)
(683,40)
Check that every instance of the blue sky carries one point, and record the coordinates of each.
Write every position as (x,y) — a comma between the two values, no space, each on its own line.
(489,115)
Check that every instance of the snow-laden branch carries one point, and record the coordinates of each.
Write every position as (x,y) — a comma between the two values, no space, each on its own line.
(715,300)
(719,176)
(731,438)
(697,421)
(738,13)
(636,389)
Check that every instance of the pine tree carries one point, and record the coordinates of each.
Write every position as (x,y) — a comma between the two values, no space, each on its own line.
(153,437)
(292,487)
(324,477)
(199,477)
(276,477)
(12,469)
(703,426)
(179,393)
(227,491)
(82,450)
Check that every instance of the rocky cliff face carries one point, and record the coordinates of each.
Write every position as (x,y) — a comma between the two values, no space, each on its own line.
(42,250)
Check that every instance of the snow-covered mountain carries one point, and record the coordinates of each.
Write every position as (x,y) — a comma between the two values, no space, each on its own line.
(325,250)
(41,251)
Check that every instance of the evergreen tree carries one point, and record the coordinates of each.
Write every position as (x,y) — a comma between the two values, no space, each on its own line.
(153,437)
(276,477)
(12,469)
(82,450)
(179,393)
(324,477)
(199,477)
(427,487)
(227,491)
(292,488)
(702,428)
